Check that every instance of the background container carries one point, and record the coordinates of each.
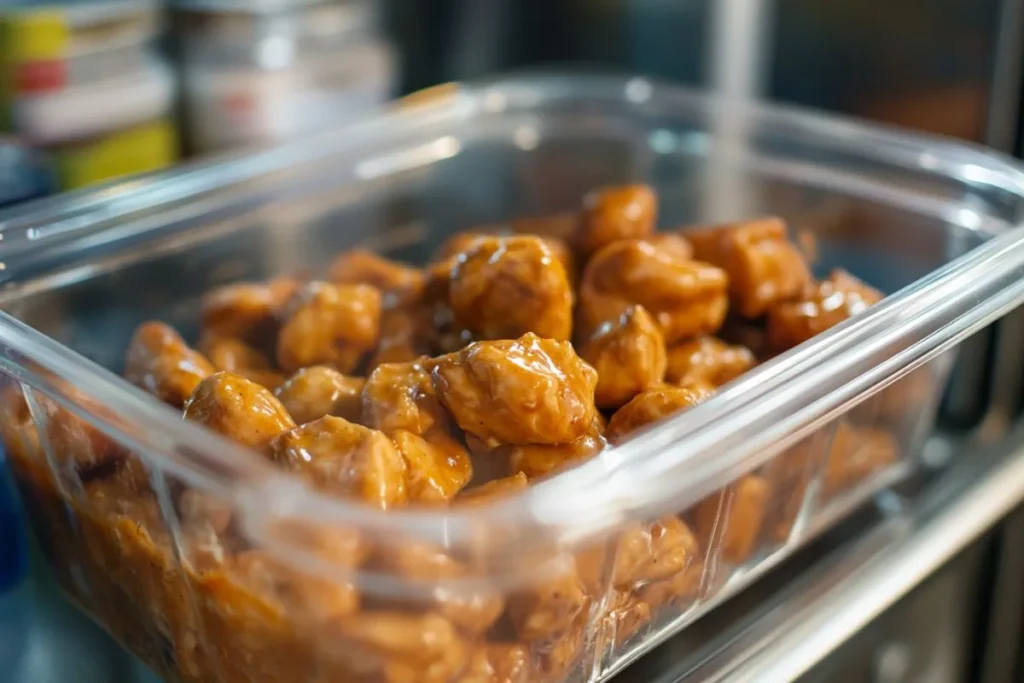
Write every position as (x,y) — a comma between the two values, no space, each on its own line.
(755,471)
(257,73)
(84,86)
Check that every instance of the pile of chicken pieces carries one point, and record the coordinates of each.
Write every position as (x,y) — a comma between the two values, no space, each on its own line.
(519,345)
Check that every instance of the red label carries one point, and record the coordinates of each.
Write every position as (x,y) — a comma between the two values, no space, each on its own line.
(39,77)
(239,104)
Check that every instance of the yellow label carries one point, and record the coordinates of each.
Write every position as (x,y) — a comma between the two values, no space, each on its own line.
(137,150)
(36,36)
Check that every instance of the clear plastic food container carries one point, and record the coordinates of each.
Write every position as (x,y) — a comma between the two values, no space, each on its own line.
(213,565)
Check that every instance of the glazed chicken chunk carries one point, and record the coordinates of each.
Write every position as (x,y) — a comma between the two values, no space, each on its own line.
(344,458)
(528,390)
(398,283)
(159,361)
(234,355)
(437,468)
(472,612)
(686,298)
(764,267)
(319,390)
(629,356)
(654,405)
(611,214)
(504,287)
(401,396)
(707,360)
(239,409)
(824,305)
(326,324)
(536,461)
(247,310)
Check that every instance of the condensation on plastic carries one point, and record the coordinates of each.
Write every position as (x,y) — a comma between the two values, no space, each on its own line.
(213,566)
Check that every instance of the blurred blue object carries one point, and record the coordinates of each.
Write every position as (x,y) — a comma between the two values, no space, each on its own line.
(24,174)
(13,555)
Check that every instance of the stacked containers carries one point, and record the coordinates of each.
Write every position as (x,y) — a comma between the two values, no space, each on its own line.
(82,83)
(263,579)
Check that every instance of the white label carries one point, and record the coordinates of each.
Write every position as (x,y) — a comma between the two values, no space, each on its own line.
(228,107)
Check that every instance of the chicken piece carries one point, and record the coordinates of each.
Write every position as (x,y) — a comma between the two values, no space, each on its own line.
(537,461)
(304,596)
(504,287)
(646,553)
(459,243)
(622,618)
(682,587)
(405,335)
(739,513)
(234,355)
(247,311)
(549,607)
(497,663)
(82,453)
(398,283)
(493,490)
(687,298)
(403,648)
(618,213)
(654,405)
(401,396)
(159,361)
(855,454)
(764,267)
(462,242)
(318,390)
(524,391)
(239,409)
(473,613)
(327,324)
(671,244)
(825,305)
(345,459)
(555,656)
(329,542)
(629,356)
(437,469)
(707,360)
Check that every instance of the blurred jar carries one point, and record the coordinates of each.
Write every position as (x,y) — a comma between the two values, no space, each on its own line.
(85,85)
(259,72)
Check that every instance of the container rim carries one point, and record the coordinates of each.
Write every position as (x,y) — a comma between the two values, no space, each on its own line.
(706,447)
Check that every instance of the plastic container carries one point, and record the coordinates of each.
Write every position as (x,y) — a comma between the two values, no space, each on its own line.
(262,579)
